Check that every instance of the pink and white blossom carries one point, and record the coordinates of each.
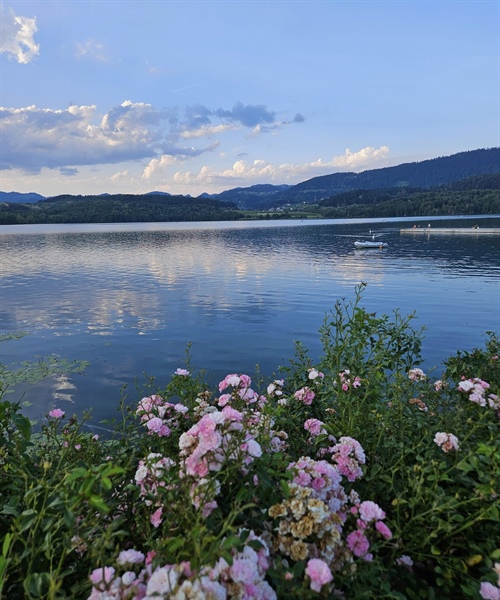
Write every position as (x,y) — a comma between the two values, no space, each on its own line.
(370,511)
(56,413)
(305,394)
(489,591)
(319,573)
(446,441)
(416,375)
(182,372)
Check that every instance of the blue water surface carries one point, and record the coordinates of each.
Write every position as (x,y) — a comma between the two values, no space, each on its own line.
(130,297)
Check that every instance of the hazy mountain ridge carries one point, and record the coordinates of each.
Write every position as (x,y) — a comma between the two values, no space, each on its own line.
(16,197)
(424,175)
(427,174)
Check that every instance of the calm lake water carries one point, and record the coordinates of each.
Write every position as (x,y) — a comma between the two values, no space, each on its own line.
(130,297)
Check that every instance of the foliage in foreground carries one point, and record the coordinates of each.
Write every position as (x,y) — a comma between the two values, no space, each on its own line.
(356,477)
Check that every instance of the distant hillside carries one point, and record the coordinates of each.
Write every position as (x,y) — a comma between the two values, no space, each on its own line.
(478,195)
(422,175)
(259,196)
(471,170)
(479,182)
(120,208)
(19,197)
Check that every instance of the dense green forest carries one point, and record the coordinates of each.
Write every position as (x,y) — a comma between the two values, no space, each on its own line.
(436,203)
(425,175)
(126,208)
(473,195)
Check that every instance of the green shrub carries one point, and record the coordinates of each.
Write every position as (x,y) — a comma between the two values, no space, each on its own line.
(355,477)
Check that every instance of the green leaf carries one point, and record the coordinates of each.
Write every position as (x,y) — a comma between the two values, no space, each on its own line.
(174,544)
(37,584)
(106,483)
(285,489)
(27,519)
(6,543)
(98,502)
(77,473)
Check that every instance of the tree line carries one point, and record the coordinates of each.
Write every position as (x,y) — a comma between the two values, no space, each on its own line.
(447,200)
(120,208)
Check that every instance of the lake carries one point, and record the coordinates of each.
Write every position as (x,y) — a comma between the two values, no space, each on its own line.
(130,297)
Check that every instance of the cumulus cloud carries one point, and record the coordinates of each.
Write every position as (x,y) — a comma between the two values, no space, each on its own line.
(262,171)
(34,138)
(364,158)
(17,36)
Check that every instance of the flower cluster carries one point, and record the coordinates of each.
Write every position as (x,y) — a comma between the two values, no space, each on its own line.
(416,375)
(315,427)
(216,438)
(275,388)
(244,578)
(312,519)
(241,385)
(150,476)
(369,514)
(159,416)
(446,441)
(314,374)
(347,381)
(348,455)
(307,527)
(305,395)
(419,403)
(108,584)
(476,389)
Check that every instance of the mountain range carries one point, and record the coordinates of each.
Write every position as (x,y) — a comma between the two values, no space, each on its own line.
(424,175)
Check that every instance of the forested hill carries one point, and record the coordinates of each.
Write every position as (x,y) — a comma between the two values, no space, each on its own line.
(122,208)
(479,195)
(424,175)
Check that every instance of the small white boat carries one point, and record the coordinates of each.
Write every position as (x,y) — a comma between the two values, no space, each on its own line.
(371,244)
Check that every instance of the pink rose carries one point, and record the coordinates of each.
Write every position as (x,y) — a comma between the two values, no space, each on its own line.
(370,511)
(156,517)
(102,575)
(56,413)
(319,573)
(357,543)
(383,530)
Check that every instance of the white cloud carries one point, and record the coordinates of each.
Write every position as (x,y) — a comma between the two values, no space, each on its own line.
(93,50)
(262,171)
(207,131)
(362,158)
(17,36)
(121,176)
(158,165)
(33,138)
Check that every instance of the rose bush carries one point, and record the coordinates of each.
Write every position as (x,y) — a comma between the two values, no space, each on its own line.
(356,475)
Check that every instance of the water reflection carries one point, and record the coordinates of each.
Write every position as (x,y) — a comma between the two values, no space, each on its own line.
(129,301)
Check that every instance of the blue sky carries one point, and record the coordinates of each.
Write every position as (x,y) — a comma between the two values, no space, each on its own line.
(189,97)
